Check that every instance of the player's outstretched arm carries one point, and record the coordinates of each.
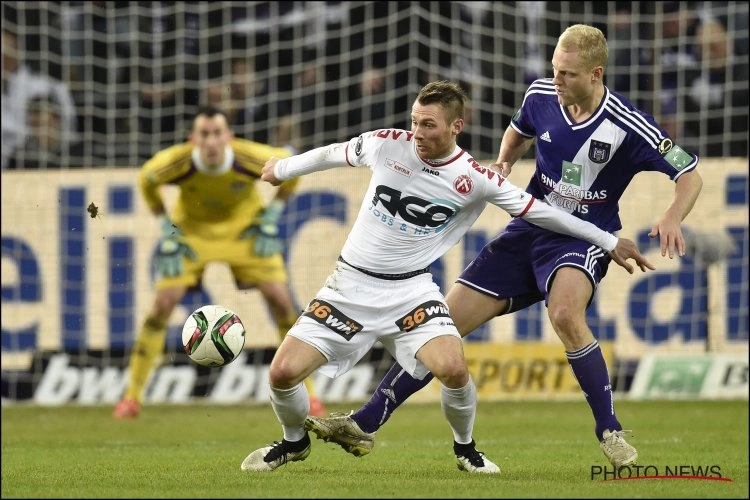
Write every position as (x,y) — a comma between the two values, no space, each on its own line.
(627,249)
(275,171)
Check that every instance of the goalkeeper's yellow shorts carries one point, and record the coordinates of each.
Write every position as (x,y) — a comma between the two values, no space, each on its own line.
(247,268)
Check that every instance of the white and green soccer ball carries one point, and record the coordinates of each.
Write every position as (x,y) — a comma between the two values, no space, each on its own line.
(213,336)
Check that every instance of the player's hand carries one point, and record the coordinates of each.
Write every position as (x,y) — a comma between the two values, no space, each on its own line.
(627,249)
(265,229)
(172,250)
(670,235)
(268,174)
(504,168)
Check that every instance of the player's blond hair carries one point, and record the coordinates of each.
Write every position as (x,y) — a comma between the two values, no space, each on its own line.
(588,41)
(450,96)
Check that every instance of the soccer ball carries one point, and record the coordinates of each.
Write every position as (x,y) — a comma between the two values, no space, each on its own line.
(213,336)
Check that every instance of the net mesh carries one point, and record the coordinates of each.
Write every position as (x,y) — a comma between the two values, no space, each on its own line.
(129,75)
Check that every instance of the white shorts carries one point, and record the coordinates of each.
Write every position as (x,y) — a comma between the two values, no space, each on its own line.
(353,311)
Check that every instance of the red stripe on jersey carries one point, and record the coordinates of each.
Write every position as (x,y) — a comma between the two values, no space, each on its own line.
(528,206)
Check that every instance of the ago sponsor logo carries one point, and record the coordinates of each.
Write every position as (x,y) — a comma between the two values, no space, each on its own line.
(676,471)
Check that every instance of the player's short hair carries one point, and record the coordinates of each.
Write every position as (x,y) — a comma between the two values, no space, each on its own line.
(588,41)
(449,95)
(210,112)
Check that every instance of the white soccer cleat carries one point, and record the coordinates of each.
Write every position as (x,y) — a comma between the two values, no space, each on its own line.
(272,457)
(617,450)
(340,428)
(470,460)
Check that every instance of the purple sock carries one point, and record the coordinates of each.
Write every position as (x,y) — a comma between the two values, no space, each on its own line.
(590,369)
(394,389)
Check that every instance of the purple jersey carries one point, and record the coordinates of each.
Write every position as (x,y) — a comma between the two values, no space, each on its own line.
(581,168)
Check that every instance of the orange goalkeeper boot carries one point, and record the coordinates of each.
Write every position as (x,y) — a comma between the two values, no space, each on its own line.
(317,409)
(127,408)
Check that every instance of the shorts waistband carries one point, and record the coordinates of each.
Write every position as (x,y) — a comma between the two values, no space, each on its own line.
(402,276)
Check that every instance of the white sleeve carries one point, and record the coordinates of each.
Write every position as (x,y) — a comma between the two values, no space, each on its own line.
(315,160)
(543,215)
(519,203)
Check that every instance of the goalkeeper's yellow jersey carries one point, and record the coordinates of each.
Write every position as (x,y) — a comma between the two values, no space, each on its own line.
(210,206)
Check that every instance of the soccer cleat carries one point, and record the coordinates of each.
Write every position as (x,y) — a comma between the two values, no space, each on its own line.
(617,450)
(317,409)
(340,428)
(127,408)
(471,460)
(274,456)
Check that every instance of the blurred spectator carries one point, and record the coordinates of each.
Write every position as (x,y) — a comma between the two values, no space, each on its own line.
(535,64)
(20,86)
(368,100)
(48,143)
(100,33)
(168,72)
(631,53)
(716,104)
(249,101)
(676,57)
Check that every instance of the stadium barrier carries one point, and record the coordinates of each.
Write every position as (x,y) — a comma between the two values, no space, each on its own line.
(75,287)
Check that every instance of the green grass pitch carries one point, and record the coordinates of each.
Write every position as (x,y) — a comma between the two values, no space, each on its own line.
(545,450)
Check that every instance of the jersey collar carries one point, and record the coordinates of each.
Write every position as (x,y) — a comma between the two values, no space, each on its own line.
(224,168)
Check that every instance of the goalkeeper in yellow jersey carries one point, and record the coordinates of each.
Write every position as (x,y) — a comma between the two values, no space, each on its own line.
(218,216)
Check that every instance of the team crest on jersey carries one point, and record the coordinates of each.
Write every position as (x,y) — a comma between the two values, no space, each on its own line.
(358,146)
(463,184)
(599,151)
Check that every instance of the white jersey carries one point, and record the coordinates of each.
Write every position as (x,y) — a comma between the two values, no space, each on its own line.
(415,210)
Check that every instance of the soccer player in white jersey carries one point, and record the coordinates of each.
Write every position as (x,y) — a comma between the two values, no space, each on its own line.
(591,141)
(424,194)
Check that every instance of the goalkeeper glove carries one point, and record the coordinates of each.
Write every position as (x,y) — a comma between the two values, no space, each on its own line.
(265,230)
(172,249)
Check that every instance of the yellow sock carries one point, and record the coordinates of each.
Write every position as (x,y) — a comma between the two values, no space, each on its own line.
(148,346)
(310,387)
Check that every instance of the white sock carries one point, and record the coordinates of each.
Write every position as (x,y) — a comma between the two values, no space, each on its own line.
(460,408)
(291,407)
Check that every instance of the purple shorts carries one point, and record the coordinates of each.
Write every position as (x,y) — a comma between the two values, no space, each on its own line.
(521,262)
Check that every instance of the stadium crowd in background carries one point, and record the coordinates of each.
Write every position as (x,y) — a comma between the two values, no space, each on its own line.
(219,216)
(136,75)
(30,128)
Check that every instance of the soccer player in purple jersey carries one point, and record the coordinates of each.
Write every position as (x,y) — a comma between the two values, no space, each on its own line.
(591,141)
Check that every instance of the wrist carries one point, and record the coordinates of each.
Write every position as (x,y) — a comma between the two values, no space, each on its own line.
(273,210)
(167,228)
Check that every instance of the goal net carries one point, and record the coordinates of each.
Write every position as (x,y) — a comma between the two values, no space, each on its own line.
(93,89)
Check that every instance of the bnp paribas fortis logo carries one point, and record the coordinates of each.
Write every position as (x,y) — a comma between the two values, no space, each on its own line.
(571,173)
